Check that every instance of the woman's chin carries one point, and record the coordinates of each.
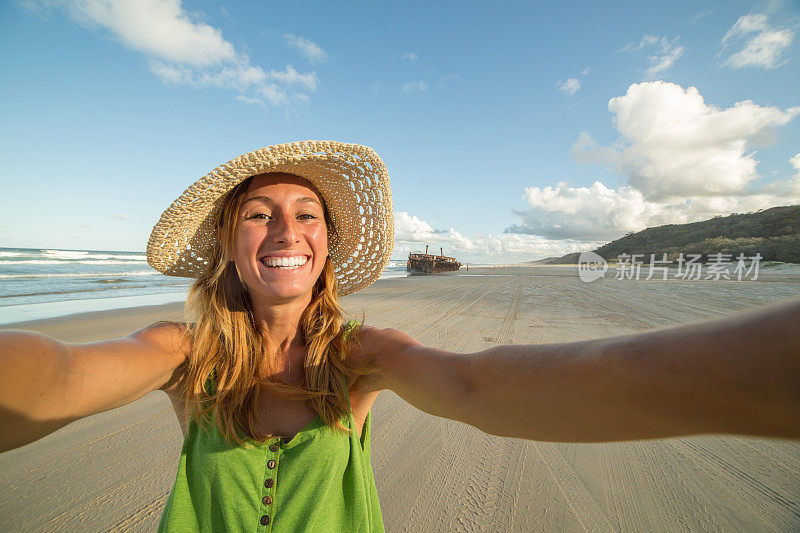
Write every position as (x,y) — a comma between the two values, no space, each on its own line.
(282,285)
(283,294)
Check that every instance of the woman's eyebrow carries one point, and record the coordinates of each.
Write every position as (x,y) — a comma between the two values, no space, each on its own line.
(262,199)
(307,200)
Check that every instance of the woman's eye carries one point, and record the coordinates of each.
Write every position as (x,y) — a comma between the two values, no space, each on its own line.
(307,216)
(258,216)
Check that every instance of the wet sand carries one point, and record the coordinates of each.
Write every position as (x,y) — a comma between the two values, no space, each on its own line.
(113,471)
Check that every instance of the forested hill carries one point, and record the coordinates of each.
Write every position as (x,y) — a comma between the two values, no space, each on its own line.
(774,233)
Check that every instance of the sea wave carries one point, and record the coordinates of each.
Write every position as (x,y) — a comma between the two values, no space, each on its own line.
(68,262)
(65,254)
(70,256)
(126,257)
(81,275)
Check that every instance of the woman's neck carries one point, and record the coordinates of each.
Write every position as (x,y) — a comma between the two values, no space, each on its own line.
(282,321)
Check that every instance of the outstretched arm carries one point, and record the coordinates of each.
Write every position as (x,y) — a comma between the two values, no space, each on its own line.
(46,384)
(739,374)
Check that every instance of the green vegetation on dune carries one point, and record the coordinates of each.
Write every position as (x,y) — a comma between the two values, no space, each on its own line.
(774,233)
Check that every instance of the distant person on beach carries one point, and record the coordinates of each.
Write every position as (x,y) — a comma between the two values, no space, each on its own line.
(273,389)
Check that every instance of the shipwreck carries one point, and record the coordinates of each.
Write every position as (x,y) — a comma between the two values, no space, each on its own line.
(431,264)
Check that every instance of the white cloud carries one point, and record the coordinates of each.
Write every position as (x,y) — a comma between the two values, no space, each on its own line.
(683,161)
(571,86)
(308,48)
(666,53)
(411,57)
(290,76)
(700,14)
(602,214)
(585,213)
(673,144)
(182,51)
(761,44)
(159,28)
(413,234)
(792,186)
(795,161)
(415,86)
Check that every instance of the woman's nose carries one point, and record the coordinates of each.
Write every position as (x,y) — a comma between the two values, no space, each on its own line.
(285,230)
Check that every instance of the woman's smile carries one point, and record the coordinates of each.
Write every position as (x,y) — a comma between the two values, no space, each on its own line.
(284,262)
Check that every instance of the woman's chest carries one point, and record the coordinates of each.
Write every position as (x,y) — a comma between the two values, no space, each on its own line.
(279,417)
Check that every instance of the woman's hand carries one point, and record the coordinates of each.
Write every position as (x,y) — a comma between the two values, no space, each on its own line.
(46,384)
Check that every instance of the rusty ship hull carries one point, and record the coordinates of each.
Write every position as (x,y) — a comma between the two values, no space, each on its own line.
(431,264)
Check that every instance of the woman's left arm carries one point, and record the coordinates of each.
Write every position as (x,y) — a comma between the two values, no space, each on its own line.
(740,375)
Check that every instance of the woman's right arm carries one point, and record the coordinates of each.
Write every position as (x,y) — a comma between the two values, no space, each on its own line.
(46,384)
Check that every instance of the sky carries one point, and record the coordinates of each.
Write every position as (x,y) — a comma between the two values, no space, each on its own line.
(512,131)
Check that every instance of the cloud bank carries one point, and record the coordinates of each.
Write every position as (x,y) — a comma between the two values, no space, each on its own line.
(413,233)
(183,51)
(683,160)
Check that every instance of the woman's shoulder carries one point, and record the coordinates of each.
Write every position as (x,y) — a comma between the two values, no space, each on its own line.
(171,340)
(171,337)
(372,344)
(164,329)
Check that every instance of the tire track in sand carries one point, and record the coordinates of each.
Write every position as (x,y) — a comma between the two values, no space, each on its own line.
(584,506)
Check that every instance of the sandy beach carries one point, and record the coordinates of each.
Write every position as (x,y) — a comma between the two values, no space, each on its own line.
(113,471)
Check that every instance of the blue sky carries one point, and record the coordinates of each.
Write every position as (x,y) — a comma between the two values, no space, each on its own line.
(512,131)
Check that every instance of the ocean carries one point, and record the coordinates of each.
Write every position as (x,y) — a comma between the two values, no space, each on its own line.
(38,283)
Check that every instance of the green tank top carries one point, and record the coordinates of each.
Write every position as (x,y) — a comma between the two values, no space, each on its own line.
(321,480)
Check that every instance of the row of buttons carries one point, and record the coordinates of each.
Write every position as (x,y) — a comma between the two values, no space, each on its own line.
(269,483)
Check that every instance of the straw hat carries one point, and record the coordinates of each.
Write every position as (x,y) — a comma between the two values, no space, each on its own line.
(353,182)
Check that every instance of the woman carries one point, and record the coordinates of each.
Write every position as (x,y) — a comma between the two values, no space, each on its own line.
(274,391)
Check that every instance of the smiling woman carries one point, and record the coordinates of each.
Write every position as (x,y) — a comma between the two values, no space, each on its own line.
(274,390)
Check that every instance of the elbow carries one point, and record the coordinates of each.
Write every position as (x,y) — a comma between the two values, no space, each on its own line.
(475,391)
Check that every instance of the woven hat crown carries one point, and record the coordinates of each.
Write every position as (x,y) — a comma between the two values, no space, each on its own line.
(351,178)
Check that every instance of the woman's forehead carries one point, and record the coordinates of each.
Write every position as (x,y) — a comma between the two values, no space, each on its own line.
(284,184)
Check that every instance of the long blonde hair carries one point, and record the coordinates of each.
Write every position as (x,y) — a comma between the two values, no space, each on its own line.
(227,344)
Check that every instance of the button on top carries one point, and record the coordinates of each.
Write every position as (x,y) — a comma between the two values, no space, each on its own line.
(266,500)
(273,448)
(269,482)
(271,463)
(264,520)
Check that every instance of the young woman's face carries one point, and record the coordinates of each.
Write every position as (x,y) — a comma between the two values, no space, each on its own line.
(281,240)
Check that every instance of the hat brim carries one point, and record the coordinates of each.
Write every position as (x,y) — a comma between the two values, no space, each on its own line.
(351,178)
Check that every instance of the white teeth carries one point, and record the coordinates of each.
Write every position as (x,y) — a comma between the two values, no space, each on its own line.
(285,262)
